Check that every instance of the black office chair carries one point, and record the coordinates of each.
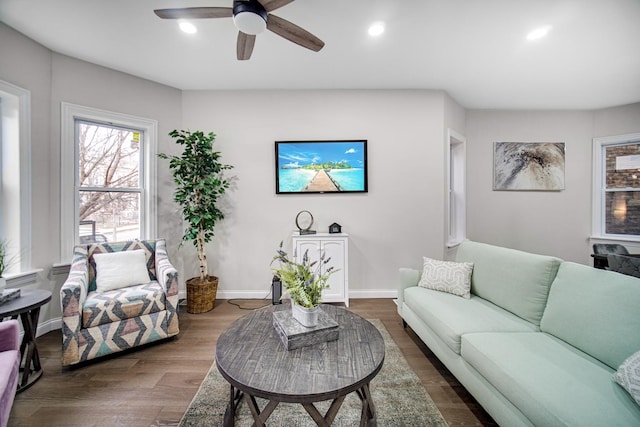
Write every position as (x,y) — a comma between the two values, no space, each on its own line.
(624,264)
(609,248)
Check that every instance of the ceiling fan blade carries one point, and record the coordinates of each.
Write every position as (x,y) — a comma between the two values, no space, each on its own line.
(195,13)
(244,48)
(271,5)
(293,33)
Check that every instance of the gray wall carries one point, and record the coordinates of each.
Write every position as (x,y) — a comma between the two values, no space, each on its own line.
(53,78)
(554,223)
(395,224)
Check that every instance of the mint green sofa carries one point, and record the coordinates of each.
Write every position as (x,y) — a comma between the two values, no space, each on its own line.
(539,339)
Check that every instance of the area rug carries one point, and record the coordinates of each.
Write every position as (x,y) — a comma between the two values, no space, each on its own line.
(399,396)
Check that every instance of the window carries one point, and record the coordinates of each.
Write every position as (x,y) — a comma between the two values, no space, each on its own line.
(457,216)
(109,190)
(616,210)
(15,176)
(108,181)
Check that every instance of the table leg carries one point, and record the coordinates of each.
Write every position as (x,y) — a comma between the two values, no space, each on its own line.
(327,419)
(260,417)
(368,414)
(234,400)
(30,359)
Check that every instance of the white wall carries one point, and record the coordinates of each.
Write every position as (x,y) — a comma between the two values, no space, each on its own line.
(616,120)
(27,64)
(553,223)
(53,78)
(393,225)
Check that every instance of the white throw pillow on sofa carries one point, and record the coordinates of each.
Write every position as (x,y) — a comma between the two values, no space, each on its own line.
(115,270)
(628,376)
(447,276)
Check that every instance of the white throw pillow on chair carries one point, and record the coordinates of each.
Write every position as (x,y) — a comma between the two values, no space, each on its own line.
(115,270)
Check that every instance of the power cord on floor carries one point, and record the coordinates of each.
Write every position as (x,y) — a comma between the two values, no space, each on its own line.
(231,301)
(183,302)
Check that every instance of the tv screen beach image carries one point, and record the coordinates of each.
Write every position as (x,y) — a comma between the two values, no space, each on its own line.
(321,166)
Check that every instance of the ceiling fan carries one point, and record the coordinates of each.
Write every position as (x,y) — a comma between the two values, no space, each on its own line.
(251,17)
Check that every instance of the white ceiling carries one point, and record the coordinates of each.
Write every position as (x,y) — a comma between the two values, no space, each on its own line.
(476,50)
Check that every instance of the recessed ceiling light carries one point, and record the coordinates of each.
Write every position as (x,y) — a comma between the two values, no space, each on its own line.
(187,27)
(538,33)
(376,29)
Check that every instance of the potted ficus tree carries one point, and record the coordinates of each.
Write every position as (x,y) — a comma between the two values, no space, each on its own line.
(200,182)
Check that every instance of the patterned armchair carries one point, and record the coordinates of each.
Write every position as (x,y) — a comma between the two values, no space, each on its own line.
(96,324)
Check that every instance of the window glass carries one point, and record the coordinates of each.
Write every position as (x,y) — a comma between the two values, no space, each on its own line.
(456,189)
(622,189)
(109,182)
(15,176)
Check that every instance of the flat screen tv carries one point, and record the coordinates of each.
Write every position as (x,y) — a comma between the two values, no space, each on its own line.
(321,166)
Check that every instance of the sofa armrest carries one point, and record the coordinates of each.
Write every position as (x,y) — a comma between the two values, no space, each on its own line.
(72,296)
(168,279)
(166,272)
(9,335)
(408,277)
(74,289)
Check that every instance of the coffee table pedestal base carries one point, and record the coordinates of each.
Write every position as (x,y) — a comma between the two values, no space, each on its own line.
(367,416)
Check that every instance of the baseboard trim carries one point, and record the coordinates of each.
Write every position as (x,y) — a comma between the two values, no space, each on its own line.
(353,294)
(47,326)
(54,324)
(373,293)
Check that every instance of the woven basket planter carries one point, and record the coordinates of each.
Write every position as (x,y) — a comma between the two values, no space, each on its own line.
(201,296)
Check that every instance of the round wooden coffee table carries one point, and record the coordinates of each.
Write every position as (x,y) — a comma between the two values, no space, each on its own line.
(251,357)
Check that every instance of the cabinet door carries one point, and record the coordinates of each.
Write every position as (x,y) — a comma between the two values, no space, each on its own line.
(312,247)
(336,250)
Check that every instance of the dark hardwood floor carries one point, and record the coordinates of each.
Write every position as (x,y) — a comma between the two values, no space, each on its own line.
(153,385)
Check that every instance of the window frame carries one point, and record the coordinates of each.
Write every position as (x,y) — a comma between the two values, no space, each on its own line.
(598,227)
(16,218)
(70,113)
(456,219)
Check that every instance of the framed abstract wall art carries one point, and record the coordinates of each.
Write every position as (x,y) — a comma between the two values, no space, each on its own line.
(528,166)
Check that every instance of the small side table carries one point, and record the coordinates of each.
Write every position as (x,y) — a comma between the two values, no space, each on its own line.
(27,306)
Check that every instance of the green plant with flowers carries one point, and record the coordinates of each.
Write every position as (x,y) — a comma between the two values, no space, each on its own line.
(304,281)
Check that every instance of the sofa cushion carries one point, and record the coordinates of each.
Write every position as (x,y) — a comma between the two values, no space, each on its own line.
(447,276)
(121,304)
(628,376)
(148,246)
(514,280)
(596,311)
(551,383)
(9,371)
(450,316)
(116,270)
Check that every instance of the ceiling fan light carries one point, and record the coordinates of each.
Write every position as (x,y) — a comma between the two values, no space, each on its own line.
(376,29)
(539,33)
(250,22)
(187,27)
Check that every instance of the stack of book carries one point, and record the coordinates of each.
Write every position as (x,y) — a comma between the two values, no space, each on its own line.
(7,295)
(293,335)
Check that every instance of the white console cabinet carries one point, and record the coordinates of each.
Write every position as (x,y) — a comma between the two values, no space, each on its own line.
(336,246)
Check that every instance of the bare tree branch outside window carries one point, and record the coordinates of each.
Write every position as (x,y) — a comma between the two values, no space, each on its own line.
(109,181)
